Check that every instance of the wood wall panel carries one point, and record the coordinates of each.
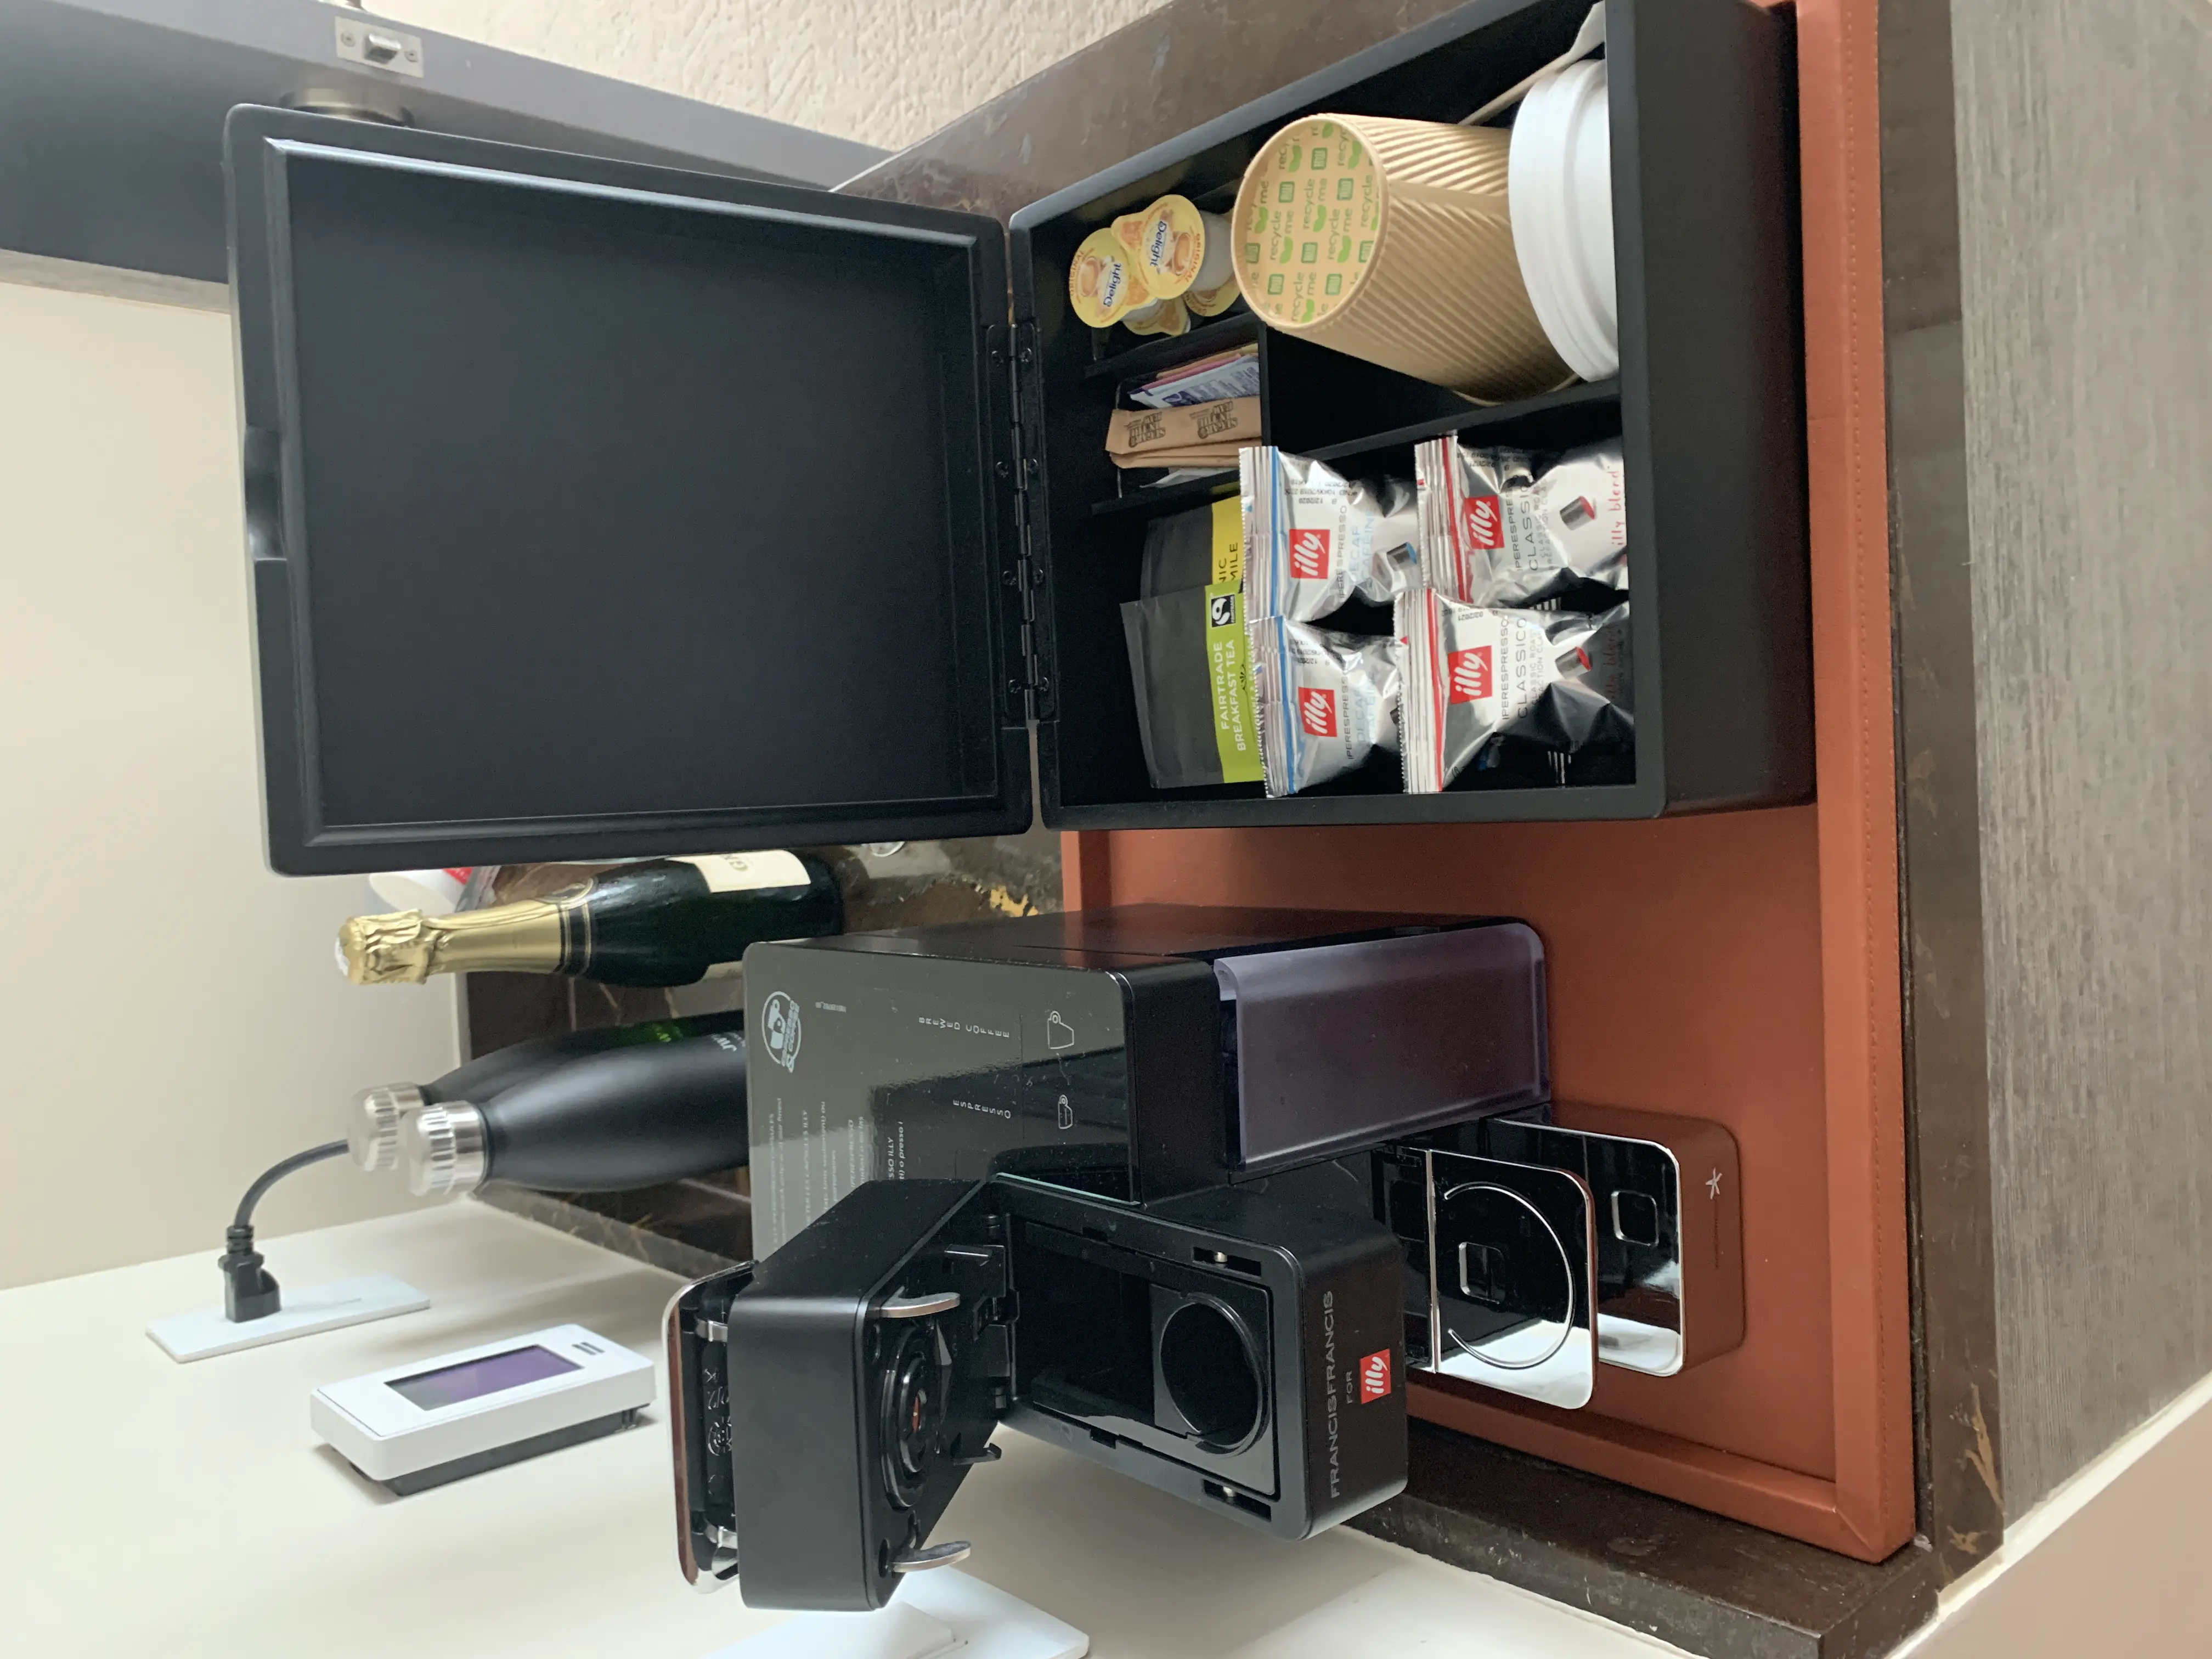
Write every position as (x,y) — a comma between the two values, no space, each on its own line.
(2087,256)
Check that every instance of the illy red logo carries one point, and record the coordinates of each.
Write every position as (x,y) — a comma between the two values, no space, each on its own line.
(1309,555)
(1470,674)
(1317,710)
(1480,519)
(1375,1376)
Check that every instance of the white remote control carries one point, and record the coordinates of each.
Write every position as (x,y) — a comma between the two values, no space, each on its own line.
(419,1426)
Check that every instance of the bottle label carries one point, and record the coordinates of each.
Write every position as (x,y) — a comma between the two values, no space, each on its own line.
(740,872)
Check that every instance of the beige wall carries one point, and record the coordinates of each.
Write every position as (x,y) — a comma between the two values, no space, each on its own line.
(172,1020)
(884,71)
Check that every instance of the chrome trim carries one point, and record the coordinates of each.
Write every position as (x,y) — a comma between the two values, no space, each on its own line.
(918,1307)
(443,1147)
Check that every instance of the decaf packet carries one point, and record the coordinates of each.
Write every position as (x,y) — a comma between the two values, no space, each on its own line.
(1314,538)
(1190,669)
(1560,679)
(1207,458)
(1219,426)
(1326,701)
(1498,529)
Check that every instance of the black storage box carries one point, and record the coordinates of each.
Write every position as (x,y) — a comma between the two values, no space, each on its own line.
(1133,1055)
(599,509)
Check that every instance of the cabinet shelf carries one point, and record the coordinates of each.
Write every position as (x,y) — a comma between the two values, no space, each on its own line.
(1240,328)
(1174,498)
(1524,421)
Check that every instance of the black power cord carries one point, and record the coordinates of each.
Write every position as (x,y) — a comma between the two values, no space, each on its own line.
(249,1290)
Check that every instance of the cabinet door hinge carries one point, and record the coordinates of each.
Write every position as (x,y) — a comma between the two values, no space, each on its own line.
(1013,352)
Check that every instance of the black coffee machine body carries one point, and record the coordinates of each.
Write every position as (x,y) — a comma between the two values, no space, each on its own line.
(1108,1177)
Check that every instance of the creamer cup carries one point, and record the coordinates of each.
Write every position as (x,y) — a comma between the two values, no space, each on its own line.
(1212,301)
(1168,316)
(1102,281)
(1180,248)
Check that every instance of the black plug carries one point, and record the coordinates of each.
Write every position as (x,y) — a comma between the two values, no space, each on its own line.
(249,1290)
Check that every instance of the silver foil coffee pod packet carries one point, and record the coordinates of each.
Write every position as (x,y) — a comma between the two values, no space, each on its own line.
(1314,539)
(1560,679)
(1498,530)
(1325,700)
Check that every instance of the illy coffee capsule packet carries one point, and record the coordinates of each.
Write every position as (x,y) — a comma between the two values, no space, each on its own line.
(1392,570)
(1561,679)
(1326,701)
(1190,667)
(1313,538)
(1496,530)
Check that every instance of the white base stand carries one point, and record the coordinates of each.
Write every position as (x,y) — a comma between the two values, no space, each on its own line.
(941,1612)
(204,1333)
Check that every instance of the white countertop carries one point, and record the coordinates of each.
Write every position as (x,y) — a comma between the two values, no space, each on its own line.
(141,1500)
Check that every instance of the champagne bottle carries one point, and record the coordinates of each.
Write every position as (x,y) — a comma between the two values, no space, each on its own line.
(604,1122)
(669,922)
(373,1121)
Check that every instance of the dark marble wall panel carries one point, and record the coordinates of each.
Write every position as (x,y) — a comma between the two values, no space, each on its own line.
(1954,1323)
(2088,353)
(1164,74)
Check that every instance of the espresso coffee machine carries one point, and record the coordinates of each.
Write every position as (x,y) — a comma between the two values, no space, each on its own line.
(1182,1190)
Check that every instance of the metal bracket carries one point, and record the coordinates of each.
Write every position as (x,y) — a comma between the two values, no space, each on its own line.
(376,44)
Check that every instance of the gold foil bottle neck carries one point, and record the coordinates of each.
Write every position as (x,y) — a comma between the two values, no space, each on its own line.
(405,947)
(386,950)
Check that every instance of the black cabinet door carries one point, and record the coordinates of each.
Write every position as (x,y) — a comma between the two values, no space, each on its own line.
(597,510)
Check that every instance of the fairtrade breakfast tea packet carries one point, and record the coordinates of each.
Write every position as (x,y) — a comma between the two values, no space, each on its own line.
(1190,666)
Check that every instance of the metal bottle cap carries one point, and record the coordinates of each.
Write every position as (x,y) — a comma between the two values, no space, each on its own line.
(443,1147)
(372,1124)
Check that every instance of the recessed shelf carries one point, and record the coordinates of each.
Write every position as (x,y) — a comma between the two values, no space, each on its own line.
(1240,328)
(1170,499)
(1477,417)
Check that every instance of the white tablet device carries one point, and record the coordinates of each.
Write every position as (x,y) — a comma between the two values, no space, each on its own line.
(423,1424)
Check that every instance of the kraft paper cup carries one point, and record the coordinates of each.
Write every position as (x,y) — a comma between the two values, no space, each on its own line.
(1393,241)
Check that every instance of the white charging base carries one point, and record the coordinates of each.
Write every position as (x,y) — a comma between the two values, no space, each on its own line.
(941,1612)
(203,1332)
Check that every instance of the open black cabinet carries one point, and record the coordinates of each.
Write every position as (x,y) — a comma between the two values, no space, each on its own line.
(599,509)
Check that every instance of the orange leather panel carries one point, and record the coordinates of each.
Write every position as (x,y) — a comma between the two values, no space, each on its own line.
(1742,967)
